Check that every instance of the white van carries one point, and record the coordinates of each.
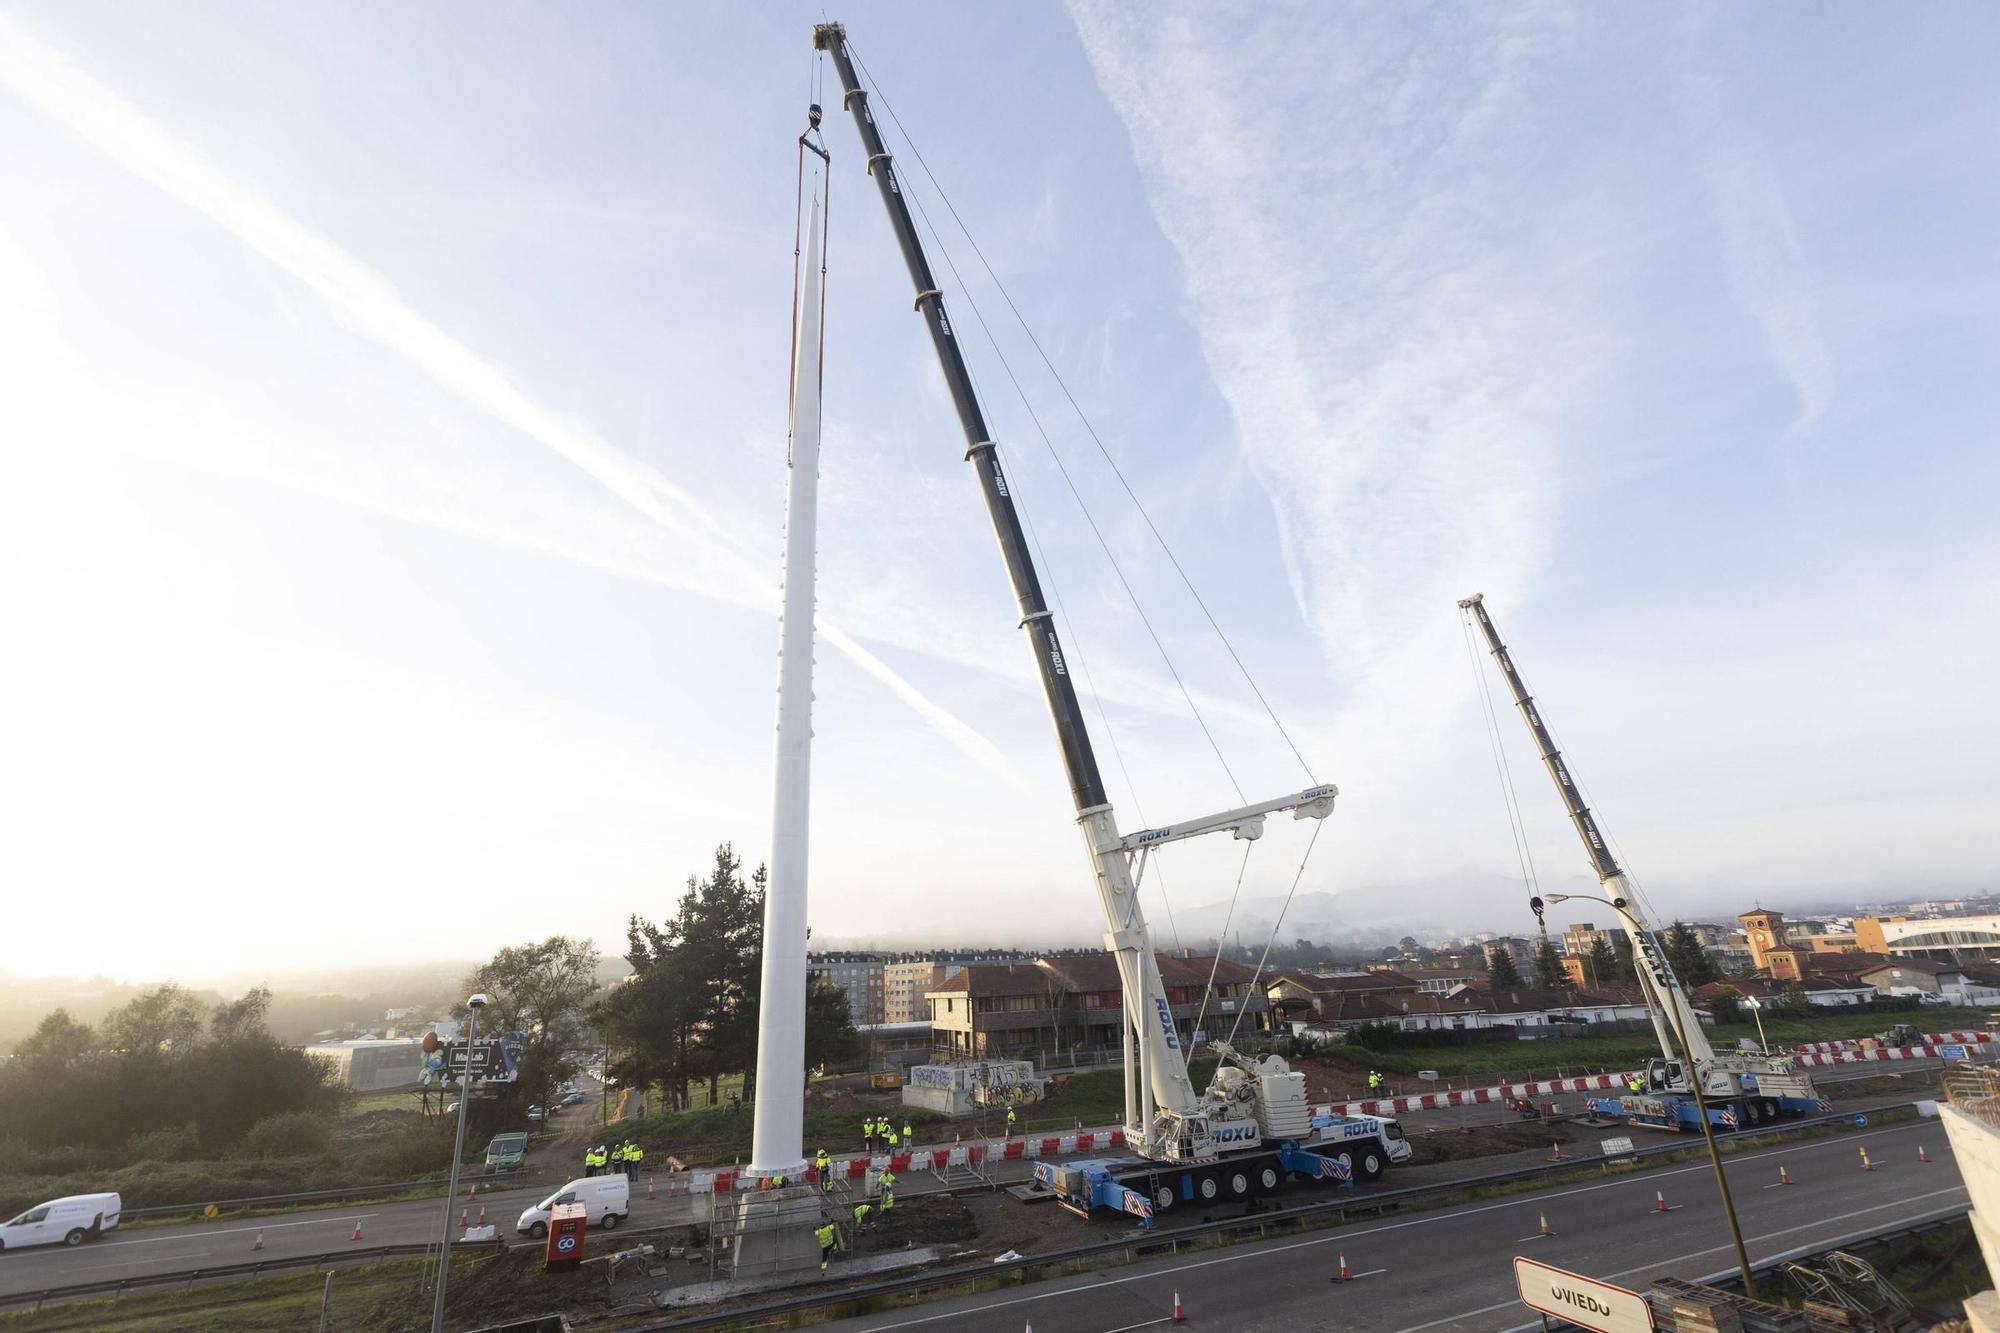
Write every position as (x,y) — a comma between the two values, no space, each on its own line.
(609,1199)
(72,1220)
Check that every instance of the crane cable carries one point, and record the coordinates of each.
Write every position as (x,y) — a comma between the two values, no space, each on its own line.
(1319,826)
(1516,825)
(1207,990)
(1024,507)
(1090,429)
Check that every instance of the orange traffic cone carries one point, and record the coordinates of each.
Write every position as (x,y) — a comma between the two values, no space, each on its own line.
(462,1223)
(1178,1316)
(1659,1201)
(1345,1276)
(1784,1178)
(649,1188)
(258,1244)
(482,1214)
(1547,1230)
(1922,1156)
(1866,1165)
(473,1193)
(1556,1152)
(357,1229)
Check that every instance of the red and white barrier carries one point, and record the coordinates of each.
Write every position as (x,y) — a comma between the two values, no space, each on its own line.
(1857,1055)
(1930,1039)
(1500,1093)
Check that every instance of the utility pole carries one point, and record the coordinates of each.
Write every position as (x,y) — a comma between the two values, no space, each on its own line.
(473,1005)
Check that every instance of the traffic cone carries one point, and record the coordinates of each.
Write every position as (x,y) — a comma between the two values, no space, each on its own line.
(258,1244)
(357,1229)
(1659,1201)
(1556,1152)
(482,1214)
(1922,1156)
(649,1189)
(1547,1230)
(1784,1178)
(462,1223)
(1866,1165)
(473,1193)
(1179,1317)
(1345,1276)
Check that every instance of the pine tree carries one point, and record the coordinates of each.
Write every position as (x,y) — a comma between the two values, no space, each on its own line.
(1690,961)
(1600,965)
(1548,967)
(1500,969)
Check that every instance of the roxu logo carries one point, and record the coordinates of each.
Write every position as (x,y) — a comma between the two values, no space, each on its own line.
(1167,1024)
(1233,1134)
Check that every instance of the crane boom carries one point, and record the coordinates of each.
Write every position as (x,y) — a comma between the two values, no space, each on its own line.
(1165,1116)
(1656,975)
(1741,1079)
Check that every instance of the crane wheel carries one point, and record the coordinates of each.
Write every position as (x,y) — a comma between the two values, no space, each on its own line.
(1208,1187)
(1239,1185)
(1164,1197)
(1268,1179)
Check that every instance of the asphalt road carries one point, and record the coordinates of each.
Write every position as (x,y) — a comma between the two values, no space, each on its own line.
(134,1252)
(1452,1270)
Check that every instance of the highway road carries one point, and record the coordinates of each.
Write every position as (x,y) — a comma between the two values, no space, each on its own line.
(137,1251)
(1452,1270)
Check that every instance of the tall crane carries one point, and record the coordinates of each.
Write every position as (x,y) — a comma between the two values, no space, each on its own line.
(1747,1088)
(1250,1104)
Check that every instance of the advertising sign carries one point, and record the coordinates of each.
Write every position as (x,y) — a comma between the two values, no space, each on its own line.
(493,1060)
(1580,1300)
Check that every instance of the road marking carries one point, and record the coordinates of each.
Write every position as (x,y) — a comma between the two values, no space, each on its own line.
(1127,1328)
(341,1220)
(1340,1235)
(1683,1258)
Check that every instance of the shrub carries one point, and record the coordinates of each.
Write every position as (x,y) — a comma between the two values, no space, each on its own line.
(291,1134)
(179,1144)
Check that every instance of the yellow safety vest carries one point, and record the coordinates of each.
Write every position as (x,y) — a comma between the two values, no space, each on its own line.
(825,1235)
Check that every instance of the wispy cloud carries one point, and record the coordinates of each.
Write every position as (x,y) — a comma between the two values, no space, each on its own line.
(1767,266)
(1342,209)
(369,305)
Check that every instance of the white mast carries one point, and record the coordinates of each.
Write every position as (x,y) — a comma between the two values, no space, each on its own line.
(777,1143)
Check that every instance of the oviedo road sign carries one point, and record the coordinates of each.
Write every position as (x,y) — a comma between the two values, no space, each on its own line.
(1580,1300)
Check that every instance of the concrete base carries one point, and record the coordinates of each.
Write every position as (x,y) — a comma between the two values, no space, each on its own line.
(773,1232)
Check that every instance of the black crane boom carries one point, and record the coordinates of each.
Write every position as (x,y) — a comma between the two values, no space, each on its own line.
(1086,783)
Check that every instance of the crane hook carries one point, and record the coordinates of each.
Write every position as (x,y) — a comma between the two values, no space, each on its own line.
(812,116)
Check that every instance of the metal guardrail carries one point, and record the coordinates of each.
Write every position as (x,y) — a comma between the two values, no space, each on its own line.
(1136,1245)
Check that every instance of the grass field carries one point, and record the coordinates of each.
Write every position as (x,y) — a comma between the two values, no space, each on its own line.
(375,1297)
(1559,1055)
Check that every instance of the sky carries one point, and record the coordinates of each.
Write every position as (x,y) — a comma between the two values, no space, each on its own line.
(393,438)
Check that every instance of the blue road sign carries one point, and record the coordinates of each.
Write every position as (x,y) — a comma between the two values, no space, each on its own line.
(1861,1122)
(1951,1052)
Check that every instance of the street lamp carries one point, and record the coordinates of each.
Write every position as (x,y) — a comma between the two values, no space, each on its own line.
(1700,1102)
(1756,1009)
(475,1004)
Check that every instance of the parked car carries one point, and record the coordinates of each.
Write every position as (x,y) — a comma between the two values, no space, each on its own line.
(609,1199)
(72,1220)
(572,1099)
(536,1114)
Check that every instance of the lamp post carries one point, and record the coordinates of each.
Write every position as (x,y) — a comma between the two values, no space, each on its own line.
(475,1004)
(1700,1104)
(1756,1009)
